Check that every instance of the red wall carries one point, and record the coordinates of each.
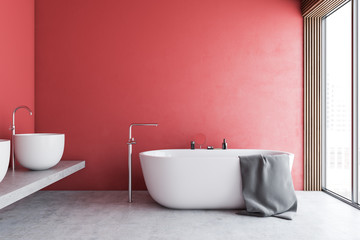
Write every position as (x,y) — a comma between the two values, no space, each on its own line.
(16,64)
(225,68)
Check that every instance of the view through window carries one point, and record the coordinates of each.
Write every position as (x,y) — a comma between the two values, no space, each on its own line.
(338,112)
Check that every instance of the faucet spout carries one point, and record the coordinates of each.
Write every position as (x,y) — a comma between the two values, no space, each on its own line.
(12,128)
(13,116)
(131,139)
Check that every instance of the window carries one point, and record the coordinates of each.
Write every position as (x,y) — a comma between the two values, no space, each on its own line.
(338,100)
(341,105)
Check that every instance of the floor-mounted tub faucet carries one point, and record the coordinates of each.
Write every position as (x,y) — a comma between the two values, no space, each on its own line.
(12,128)
(130,143)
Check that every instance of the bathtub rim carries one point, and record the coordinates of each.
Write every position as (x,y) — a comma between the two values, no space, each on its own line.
(148,153)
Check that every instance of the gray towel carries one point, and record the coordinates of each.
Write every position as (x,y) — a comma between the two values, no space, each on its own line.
(267,186)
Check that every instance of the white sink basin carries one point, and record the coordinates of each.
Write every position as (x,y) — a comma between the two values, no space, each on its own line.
(4,157)
(39,151)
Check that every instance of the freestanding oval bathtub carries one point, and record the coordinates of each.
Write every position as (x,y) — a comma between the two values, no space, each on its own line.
(197,179)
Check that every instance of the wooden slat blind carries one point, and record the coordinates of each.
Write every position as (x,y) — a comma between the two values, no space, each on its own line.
(312,104)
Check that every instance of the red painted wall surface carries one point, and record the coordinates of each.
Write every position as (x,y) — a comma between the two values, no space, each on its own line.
(225,68)
(16,64)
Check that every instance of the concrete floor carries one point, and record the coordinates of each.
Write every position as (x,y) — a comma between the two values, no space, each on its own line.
(107,215)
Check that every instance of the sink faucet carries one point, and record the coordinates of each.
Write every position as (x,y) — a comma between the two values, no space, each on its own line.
(12,128)
(130,143)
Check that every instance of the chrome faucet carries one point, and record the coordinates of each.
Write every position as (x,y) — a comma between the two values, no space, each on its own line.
(130,142)
(12,128)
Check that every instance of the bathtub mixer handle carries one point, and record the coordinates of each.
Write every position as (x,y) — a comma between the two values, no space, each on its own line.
(224,145)
(130,142)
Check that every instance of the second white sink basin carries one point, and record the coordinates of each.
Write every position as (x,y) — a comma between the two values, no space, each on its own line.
(39,151)
(4,157)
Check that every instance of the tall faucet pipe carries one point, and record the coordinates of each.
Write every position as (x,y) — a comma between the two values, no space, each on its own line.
(130,143)
(13,134)
(129,164)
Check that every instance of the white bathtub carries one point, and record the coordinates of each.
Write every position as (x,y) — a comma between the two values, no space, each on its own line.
(197,179)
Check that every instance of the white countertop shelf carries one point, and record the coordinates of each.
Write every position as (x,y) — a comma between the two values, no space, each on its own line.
(21,183)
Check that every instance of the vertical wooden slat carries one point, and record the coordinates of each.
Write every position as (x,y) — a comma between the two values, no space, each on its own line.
(311,159)
(313,106)
(315,103)
(306,170)
(318,108)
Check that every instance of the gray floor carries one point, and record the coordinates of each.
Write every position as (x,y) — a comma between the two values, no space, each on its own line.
(107,215)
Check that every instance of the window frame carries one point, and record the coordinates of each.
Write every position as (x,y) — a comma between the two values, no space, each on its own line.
(355,110)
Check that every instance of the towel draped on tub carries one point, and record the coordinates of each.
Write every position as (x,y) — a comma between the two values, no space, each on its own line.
(267,186)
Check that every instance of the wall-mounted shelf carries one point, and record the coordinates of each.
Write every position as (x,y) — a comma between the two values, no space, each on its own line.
(23,182)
